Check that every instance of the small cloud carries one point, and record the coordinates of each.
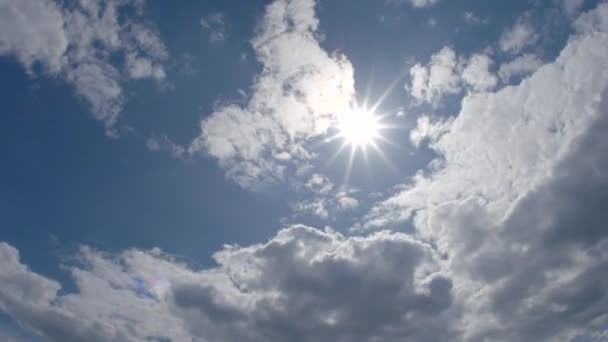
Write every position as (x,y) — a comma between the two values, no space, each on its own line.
(473,19)
(430,82)
(477,73)
(164,144)
(215,27)
(415,3)
(346,202)
(519,36)
(520,66)
(427,129)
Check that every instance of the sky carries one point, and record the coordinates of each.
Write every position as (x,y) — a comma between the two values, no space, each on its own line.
(304,170)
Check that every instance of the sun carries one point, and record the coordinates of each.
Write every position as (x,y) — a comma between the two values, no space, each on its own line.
(359,127)
(361,130)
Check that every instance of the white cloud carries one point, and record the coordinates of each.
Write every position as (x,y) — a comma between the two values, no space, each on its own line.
(593,20)
(423,3)
(440,76)
(414,3)
(297,96)
(317,206)
(319,184)
(427,129)
(477,73)
(326,200)
(76,43)
(519,132)
(345,201)
(446,73)
(521,35)
(32,31)
(520,66)
(515,200)
(106,308)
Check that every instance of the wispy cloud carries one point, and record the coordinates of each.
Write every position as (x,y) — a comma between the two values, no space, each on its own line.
(76,42)
(215,26)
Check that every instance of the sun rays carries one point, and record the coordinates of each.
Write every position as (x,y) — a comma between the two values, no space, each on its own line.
(360,129)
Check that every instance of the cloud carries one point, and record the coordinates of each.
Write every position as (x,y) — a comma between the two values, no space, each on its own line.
(514,200)
(428,129)
(477,73)
(106,308)
(325,200)
(162,143)
(446,73)
(215,26)
(423,3)
(518,67)
(508,241)
(297,96)
(32,31)
(572,7)
(345,201)
(545,116)
(302,285)
(76,43)
(440,76)
(521,35)
(473,19)
(416,3)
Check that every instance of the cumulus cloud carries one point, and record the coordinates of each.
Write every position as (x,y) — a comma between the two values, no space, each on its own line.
(519,67)
(477,73)
(440,76)
(106,308)
(514,199)
(298,95)
(76,42)
(302,285)
(519,36)
(325,199)
(446,73)
(544,114)
(508,242)
(32,31)
(428,129)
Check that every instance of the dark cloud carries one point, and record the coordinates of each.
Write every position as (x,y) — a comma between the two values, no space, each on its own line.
(309,285)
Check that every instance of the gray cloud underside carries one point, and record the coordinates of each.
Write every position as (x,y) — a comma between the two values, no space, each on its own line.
(303,285)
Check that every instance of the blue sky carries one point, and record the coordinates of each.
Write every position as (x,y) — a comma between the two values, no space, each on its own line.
(187,163)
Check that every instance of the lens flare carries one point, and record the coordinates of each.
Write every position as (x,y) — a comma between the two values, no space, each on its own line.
(359,127)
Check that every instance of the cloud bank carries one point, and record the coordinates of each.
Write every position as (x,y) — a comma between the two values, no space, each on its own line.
(302,285)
